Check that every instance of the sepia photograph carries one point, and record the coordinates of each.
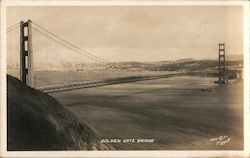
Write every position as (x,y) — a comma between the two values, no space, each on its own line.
(125,77)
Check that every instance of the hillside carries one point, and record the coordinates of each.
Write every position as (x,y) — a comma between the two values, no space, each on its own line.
(36,121)
(235,57)
(197,65)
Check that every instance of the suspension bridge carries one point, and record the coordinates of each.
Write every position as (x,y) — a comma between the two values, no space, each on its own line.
(47,62)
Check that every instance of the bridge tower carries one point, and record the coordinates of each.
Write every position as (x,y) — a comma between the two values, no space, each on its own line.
(26,54)
(222,64)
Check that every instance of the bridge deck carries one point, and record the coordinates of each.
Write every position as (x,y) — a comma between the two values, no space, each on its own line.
(96,83)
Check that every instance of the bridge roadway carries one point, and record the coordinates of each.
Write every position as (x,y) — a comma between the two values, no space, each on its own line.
(111,81)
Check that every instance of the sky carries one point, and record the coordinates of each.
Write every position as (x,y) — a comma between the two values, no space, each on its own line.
(140,33)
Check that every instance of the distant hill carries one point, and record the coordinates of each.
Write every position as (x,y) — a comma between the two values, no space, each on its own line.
(172,65)
(234,57)
(185,60)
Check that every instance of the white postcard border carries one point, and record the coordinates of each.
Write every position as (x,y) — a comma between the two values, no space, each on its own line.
(137,153)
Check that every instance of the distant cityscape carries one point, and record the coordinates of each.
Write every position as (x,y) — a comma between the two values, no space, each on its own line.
(232,60)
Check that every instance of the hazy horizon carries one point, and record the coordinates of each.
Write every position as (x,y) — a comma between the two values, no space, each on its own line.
(138,33)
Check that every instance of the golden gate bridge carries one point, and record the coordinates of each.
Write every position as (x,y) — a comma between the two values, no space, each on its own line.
(47,62)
